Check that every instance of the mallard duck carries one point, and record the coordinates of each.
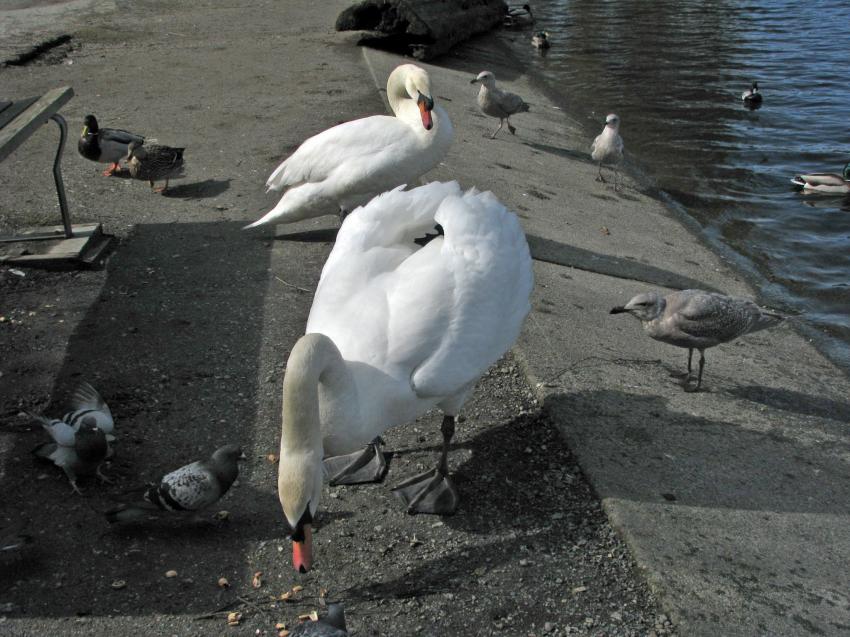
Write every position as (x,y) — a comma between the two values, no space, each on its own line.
(828,183)
(540,40)
(397,328)
(607,148)
(752,97)
(105,145)
(345,166)
(152,162)
(697,320)
(518,16)
(498,103)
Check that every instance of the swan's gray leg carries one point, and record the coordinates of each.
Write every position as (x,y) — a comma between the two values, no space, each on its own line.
(432,491)
(366,465)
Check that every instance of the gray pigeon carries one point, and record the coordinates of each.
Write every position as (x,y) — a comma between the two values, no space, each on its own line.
(497,103)
(87,402)
(192,487)
(697,320)
(77,449)
(331,626)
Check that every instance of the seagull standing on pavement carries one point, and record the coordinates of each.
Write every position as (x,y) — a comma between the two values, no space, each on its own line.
(192,487)
(607,148)
(497,103)
(697,320)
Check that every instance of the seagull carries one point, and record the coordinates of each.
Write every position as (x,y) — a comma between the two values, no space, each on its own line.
(192,487)
(331,626)
(751,97)
(697,320)
(77,449)
(607,148)
(497,103)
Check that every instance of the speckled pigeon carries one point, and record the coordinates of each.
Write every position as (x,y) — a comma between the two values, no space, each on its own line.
(192,487)
(331,626)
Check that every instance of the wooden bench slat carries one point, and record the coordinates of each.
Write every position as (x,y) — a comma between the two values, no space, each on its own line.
(26,123)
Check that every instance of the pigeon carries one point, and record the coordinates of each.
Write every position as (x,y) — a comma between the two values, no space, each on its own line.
(105,145)
(77,449)
(607,148)
(331,626)
(192,487)
(497,103)
(697,320)
(150,162)
(86,401)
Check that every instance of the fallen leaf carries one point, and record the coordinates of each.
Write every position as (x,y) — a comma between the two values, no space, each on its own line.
(605,230)
(118,584)
(171,573)
(221,516)
(297,588)
(273,458)
(223,583)
(323,592)
(313,616)
(282,633)
(579,589)
(258,579)
(279,626)
(286,596)
(234,618)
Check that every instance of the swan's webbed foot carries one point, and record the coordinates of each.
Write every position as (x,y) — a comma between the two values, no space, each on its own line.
(429,492)
(366,465)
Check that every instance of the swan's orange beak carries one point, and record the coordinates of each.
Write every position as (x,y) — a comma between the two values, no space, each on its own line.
(302,552)
(426,104)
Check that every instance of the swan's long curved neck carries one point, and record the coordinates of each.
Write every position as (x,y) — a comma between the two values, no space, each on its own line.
(397,92)
(315,363)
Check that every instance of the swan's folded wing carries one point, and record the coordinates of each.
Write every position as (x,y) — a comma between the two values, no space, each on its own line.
(486,278)
(349,143)
(374,240)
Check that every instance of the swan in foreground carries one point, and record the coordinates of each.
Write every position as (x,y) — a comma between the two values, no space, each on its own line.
(697,320)
(607,148)
(495,102)
(397,328)
(828,183)
(345,166)
(751,97)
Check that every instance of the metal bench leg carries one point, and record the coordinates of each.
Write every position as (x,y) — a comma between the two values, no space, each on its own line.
(57,174)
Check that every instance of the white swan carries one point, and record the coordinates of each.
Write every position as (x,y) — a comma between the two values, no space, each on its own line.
(395,329)
(345,166)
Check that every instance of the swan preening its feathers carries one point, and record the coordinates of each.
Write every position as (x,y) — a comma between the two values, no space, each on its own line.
(397,328)
(345,166)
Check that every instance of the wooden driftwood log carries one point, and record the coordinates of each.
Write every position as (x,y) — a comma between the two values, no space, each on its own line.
(421,28)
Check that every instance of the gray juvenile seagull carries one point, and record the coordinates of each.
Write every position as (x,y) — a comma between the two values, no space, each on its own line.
(192,487)
(607,148)
(697,320)
(497,103)
(77,449)
(333,625)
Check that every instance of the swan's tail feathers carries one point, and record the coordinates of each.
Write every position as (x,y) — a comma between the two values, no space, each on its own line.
(277,180)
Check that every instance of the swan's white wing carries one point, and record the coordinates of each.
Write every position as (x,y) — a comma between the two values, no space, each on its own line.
(486,280)
(440,314)
(353,144)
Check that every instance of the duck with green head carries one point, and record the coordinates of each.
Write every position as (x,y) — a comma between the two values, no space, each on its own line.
(828,183)
(105,145)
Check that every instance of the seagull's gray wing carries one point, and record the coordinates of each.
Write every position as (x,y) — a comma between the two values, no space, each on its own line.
(716,317)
